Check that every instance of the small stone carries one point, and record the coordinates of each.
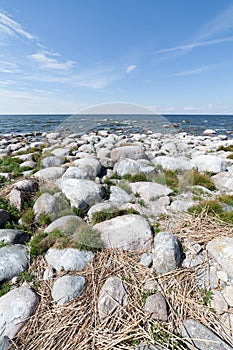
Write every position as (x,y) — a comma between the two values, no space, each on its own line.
(156,306)
(151,286)
(67,288)
(146,259)
(49,274)
(113,295)
(167,253)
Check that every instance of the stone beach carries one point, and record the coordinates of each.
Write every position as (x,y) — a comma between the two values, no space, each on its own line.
(66,198)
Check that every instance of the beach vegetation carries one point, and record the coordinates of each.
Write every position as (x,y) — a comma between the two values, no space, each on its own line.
(5,288)
(226,148)
(125,186)
(213,208)
(230,156)
(194,178)
(3,244)
(168,178)
(85,237)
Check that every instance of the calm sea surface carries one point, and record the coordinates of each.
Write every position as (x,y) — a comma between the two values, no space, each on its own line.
(195,124)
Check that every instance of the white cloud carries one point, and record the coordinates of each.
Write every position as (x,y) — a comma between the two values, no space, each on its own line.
(205,37)
(129,69)
(11,28)
(190,46)
(46,60)
(8,67)
(29,102)
(195,71)
(92,78)
(7,82)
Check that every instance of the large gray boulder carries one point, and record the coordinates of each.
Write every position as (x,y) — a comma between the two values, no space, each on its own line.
(81,193)
(91,165)
(69,259)
(171,163)
(133,152)
(51,173)
(68,224)
(224,181)
(67,288)
(74,172)
(221,249)
(118,196)
(113,295)
(202,337)
(209,163)
(45,204)
(15,308)
(127,166)
(167,253)
(129,232)
(149,191)
(60,152)
(13,260)
(52,161)
(12,236)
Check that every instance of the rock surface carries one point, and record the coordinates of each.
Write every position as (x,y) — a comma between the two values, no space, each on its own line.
(221,249)
(12,236)
(156,307)
(67,288)
(113,295)
(15,308)
(13,260)
(81,193)
(68,259)
(167,254)
(198,335)
(68,224)
(129,232)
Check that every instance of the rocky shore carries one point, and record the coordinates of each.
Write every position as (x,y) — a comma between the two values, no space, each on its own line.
(109,241)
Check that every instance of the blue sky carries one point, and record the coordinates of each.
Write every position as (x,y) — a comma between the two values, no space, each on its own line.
(175,56)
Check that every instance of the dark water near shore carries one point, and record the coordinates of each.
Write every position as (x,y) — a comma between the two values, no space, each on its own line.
(194,124)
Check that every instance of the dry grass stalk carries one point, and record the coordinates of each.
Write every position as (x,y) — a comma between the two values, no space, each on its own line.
(76,325)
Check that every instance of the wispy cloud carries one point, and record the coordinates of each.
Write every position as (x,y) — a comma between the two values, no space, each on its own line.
(206,36)
(8,67)
(190,46)
(220,24)
(46,60)
(195,71)
(129,69)
(7,82)
(11,28)
(92,78)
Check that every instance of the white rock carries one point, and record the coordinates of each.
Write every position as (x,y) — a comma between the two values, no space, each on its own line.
(67,288)
(68,259)
(227,292)
(209,163)
(81,193)
(15,308)
(221,249)
(129,232)
(223,181)
(150,190)
(51,173)
(113,295)
(171,163)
